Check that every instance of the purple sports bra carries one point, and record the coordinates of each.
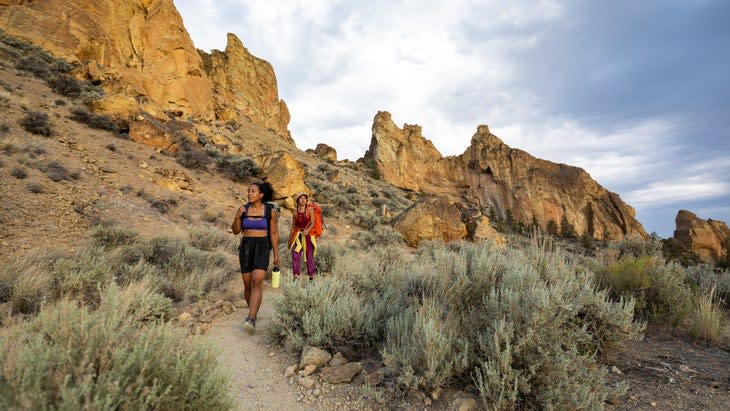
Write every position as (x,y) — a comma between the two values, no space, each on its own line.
(255,223)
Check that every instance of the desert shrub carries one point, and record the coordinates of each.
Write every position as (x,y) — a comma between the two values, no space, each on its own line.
(212,215)
(636,246)
(522,325)
(35,65)
(72,358)
(325,313)
(56,171)
(19,173)
(704,276)
(365,219)
(108,237)
(191,155)
(4,128)
(96,121)
(4,102)
(209,238)
(237,168)
(65,85)
(380,235)
(674,251)
(36,122)
(163,206)
(327,254)
(35,187)
(658,287)
(708,319)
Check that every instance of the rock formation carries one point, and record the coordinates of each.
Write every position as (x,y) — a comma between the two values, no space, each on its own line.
(509,182)
(708,238)
(139,49)
(433,218)
(324,152)
(245,85)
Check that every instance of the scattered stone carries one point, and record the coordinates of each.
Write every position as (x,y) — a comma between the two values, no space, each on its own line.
(340,373)
(436,394)
(614,400)
(653,404)
(271,354)
(715,384)
(307,382)
(464,404)
(314,355)
(108,170)
(375,378)
(241,304)
(228,308)
(684,368)
(290,371)
(205,318)
(143,165)
(184,317)
(615,370)
(338,359)
(308,370)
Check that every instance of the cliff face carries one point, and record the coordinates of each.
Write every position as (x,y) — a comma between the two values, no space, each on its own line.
(493,175)
(708,238)
(140,48)
(244,84)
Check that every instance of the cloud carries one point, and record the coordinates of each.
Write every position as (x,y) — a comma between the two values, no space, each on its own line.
(679,190)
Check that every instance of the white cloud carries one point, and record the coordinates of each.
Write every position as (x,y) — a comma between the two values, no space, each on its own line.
(677,190)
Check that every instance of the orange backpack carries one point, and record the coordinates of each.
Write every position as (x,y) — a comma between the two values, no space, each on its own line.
(318,223)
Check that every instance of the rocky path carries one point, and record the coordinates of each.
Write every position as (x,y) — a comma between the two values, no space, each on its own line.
(257,368)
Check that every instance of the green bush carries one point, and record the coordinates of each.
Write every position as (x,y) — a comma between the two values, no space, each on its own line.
(380,235)
(524,326)
(659,288)
(237,168)
(36,122)
(636,246)
(113,236)
(327,256)
(72,358)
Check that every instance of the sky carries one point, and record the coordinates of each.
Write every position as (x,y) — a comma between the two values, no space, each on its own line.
(637,93)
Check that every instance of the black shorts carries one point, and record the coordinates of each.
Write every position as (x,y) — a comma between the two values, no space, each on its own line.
(253,254)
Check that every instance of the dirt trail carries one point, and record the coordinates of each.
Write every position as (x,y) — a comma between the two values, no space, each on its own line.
(257,368)
(257,381)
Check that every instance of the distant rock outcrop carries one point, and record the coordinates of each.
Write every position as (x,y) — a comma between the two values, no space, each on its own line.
(708,238)
(324,152)
(494,176)
(139,49)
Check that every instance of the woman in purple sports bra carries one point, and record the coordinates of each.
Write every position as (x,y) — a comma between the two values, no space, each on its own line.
(258,222)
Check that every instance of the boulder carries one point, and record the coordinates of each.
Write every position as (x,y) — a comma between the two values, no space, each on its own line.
(708,238)
(435,217)
(483,230)
(340,373)
(314,356)
(284,172)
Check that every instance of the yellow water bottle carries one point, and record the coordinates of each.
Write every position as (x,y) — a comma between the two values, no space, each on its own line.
(275,277)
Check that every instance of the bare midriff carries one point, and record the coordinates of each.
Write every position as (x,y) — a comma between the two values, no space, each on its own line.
(255,233)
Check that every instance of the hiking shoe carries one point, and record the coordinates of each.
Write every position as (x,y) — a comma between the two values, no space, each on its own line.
(249,325)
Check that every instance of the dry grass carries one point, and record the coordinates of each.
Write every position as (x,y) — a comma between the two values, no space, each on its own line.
(709,318)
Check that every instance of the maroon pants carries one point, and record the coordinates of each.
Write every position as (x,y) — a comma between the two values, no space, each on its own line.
(296,259)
